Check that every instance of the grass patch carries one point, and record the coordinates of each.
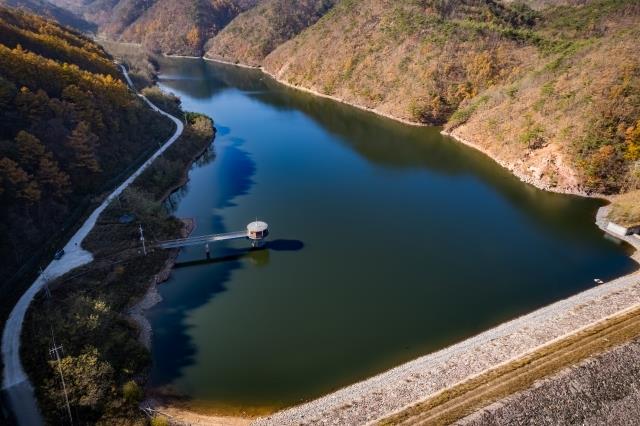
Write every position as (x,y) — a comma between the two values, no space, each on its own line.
(533,135)
(461,115)
(625,209)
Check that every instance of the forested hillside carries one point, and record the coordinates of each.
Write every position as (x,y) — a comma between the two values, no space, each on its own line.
(549,88)
(49,10)
(257,32)
(70,129)
(553,94)
(179,27)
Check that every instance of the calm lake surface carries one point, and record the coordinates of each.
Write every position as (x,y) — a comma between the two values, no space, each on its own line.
(387,242)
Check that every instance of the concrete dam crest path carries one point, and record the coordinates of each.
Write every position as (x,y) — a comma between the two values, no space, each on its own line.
(15,382)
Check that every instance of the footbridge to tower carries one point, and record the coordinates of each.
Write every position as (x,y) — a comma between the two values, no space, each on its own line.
(256,232)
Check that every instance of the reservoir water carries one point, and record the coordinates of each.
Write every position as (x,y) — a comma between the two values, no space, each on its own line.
(387,242)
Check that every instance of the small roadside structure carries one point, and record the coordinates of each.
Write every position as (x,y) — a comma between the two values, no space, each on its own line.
(622,230)
(126,218)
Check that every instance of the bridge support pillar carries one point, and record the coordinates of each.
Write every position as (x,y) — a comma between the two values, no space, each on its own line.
(257,243)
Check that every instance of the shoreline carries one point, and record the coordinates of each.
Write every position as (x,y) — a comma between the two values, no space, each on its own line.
(166,55)
(343,101)
(182,415)
(448,133)
(521,176)
(316,93)
(343,398)
(468,397)
(633,241)
(235,64)
(403,386)
(502,163)
(151,298)
(137,312)
(414,381)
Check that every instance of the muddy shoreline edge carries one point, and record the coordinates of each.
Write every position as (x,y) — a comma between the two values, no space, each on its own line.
(151,298)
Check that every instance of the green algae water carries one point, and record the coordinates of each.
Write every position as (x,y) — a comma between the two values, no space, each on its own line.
(387,242)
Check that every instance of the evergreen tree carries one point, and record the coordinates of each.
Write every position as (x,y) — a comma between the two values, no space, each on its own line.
(7,93)
(82,143)
(21,183)
(50,176)
(83,105)
(632,139)
(31,150)
(32,105)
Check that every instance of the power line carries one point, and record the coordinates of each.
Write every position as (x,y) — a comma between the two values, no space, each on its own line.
(144,248)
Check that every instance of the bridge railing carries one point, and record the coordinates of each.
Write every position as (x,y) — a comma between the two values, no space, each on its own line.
(201,239)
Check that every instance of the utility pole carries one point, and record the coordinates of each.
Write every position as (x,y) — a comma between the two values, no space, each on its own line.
(144,248)
(54,352)
(45,278)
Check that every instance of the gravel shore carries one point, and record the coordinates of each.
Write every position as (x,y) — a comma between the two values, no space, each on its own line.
(393,390)
(136,313)
(601,390)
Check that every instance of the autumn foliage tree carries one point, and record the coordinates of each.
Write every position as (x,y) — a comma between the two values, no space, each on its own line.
(632,140)
(82,143)
(19,184)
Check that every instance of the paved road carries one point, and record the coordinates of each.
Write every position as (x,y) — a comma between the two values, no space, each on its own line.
(15,382)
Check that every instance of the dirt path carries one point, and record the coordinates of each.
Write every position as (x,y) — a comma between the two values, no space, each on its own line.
(464,398)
